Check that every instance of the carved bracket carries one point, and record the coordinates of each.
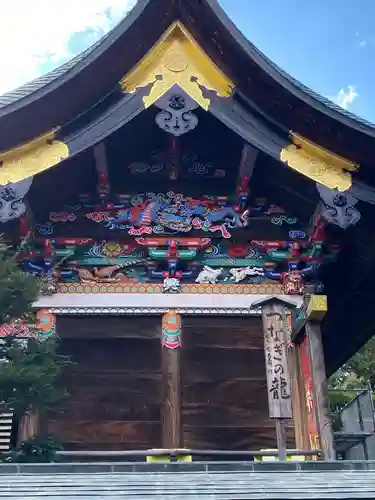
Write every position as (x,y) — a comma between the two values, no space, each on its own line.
(176,117)
(338,208)
(11,199)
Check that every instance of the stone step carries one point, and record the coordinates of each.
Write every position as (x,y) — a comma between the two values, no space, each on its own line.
(6,421)
(188,481)
(208,485)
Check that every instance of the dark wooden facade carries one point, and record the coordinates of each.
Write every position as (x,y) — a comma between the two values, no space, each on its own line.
(116,392)
(121,204)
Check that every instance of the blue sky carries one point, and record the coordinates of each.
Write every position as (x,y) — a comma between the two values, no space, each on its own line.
(329,45)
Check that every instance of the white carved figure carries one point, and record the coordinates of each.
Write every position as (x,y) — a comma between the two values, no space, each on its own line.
(171,285)
(176,116)
(11,199)
(239,274)
(339,207)
(209,275)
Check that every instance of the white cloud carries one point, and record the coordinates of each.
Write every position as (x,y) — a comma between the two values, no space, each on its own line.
(345,97)
(35,34)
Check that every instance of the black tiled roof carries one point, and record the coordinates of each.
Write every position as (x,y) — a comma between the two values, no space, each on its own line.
(30,87)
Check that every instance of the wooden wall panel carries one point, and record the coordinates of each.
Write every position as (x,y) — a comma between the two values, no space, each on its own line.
(114,386)
(90,327)
(251,437)
(225,403)
(102,435)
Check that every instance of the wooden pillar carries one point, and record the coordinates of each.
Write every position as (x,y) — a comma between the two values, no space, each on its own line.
(29,427)
(276,328)
(30,424)
(300,418)
(306,331)
(320,390)
(171,383)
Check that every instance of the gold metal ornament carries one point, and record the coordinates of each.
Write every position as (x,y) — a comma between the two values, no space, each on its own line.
(31,158)
(177,59)
(318,164)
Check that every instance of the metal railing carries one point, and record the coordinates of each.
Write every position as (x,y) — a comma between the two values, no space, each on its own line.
(187,452)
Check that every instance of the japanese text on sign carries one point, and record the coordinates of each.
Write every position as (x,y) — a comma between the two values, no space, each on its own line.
(278,383)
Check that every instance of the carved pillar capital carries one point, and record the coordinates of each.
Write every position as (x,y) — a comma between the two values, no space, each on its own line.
(171,330)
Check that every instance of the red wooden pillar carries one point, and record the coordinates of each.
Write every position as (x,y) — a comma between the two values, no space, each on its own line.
(171,382)
(313,372)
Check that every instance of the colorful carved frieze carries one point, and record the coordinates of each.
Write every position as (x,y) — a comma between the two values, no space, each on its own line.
(172,214)
(181,260)
(154,240)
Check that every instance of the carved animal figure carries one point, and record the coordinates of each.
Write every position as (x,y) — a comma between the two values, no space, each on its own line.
(219,214)
(86,275)
(106,272)
(103,275)
(139,215)
(209,275)
(239,274)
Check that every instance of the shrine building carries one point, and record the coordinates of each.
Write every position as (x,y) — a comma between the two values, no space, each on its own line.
(203,225)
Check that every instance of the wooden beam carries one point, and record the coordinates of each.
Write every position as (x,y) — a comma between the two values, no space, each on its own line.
(101,164)
(248,159)
(245,172)
(171,381)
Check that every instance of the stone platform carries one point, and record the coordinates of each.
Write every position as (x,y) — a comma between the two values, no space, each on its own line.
(177,481)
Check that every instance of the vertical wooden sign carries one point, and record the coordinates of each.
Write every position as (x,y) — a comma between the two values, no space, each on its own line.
(275,328)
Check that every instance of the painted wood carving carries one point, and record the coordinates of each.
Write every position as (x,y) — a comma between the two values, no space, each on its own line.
(170,214)
(171,331)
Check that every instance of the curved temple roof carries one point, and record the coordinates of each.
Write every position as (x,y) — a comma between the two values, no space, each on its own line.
(95,73)
(264,62)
